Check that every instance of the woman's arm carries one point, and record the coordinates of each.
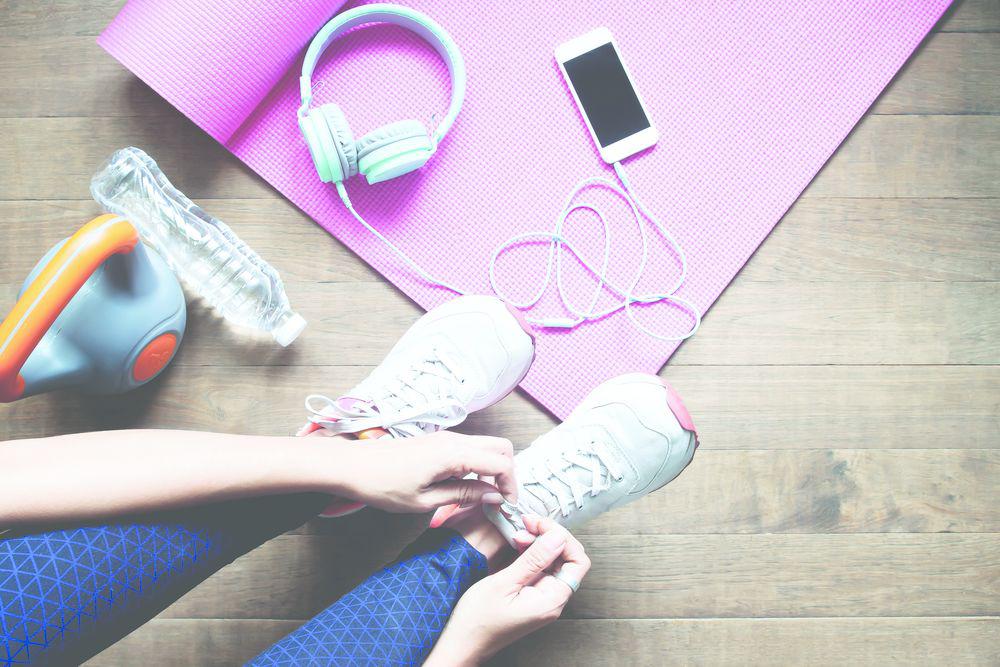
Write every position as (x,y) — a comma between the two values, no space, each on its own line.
(118,472)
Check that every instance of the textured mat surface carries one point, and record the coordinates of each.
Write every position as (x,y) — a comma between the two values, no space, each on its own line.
(750,98)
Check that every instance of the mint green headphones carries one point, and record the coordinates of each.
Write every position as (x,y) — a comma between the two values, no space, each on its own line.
(391,150)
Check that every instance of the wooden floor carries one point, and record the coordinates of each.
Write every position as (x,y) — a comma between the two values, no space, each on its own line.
(843,507)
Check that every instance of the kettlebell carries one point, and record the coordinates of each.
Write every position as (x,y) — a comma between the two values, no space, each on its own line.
(100,312)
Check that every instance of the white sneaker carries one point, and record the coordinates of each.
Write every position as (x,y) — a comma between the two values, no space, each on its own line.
(629,437)
(460,357)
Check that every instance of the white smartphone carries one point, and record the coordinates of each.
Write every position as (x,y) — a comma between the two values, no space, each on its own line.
(605,92)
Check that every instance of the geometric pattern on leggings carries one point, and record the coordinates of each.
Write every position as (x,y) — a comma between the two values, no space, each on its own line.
(60,582)
(392,618)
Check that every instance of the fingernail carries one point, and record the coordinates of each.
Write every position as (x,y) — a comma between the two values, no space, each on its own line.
(554,540)
(492,498)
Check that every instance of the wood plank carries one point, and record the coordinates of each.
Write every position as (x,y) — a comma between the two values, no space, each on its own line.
(842,491)
(951,74)
(206,643)
(886,156)
(805,492)
(791,575)
(300,249)
(70,76)
(868,240)
(735,407)
(56,18)
(869,323)
(814,641)
(755,323)
(60,18)
(819,240)
(915,156)
(972,16)
(665,576)
(643,643)
(54,158)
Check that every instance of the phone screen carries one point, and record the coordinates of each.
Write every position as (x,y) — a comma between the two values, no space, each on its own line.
(606,94)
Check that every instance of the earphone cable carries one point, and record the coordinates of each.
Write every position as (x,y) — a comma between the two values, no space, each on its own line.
(557,241)
(554,261)
(342,191)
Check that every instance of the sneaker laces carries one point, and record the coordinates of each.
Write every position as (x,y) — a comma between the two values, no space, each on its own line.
(561,472)
(420,398)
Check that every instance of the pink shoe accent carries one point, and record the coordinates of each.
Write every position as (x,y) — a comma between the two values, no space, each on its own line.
(348,402)
(309,427)
(442,514)
(522,321)
(339,509)
(677,407)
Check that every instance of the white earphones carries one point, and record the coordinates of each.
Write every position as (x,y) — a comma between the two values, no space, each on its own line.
(557,240)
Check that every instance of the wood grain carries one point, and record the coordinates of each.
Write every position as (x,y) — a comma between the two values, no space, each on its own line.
(819,240)
(915,156)
(954,74)
(734,407)
(778,641)
(762,324)
(650,643)
(972,16)
(661,576)
(47,18)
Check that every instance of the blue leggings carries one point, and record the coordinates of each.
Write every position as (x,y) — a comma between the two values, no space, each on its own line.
(67,594)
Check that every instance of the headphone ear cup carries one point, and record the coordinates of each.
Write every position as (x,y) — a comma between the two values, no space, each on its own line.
(393,150)
(321,148)
(343,139)
(330,142)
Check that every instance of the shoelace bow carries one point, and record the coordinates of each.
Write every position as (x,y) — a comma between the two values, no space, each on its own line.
(420,398)
(554,474)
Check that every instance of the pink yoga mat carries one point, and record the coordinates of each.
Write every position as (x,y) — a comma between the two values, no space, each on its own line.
(751,99)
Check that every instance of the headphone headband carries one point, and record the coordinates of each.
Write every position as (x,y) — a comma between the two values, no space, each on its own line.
(403,17)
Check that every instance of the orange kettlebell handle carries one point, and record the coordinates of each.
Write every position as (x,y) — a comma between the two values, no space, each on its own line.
(53,288)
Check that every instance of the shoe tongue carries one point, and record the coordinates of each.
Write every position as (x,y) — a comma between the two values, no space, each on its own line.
(561,457)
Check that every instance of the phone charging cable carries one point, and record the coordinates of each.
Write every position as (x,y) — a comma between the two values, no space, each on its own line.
(557,241)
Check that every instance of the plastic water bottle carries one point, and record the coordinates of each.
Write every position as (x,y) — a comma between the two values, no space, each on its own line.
(202,250)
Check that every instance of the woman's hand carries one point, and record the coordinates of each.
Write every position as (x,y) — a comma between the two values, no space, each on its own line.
(419,474)
(515,601)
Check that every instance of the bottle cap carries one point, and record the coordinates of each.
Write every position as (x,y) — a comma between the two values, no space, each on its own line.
(289,329)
